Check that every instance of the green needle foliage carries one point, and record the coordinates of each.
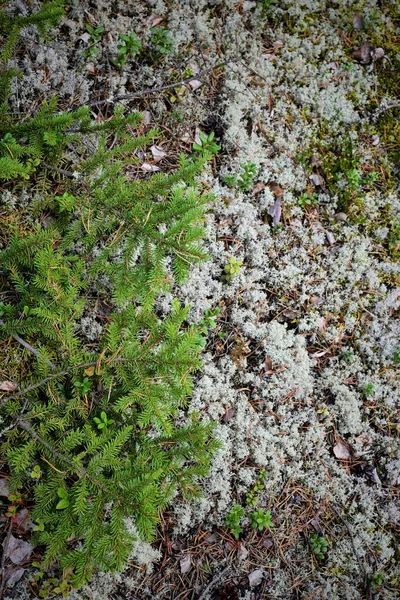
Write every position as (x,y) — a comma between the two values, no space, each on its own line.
(96,432)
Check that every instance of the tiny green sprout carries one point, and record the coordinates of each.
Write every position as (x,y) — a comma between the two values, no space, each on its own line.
(396,356)
(305,200)
(129,47)
(104,421)
(160,41)
(260,519)
(252,496)
(377,579)
(353,179)
(348,355)
(368,389)
(63,495)
(232,268)
(245,179)
(230,180)
(83,385)
(208,321)
(319,546)
(233,520)
(36,472)
(39,527)
(207,144)
(95,36)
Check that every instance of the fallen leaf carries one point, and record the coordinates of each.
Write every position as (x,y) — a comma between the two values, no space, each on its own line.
(316,301)
(157,152)
(341,450)
(379,54)
(4,488)
(155,20)
(85,37)
(277,44)
(228,415)
(358,21)
(276,189)
(23,521)
(364,439)
(185,563)
(148,167)
(12,576)
(90,69)
(375,140)
(243,552)
(317,179)
(275,211)
(8,386)
(255,577)
(195,84)
(373,475)
(17,550)
(89,371)
(330,238)
(363,53)
(340,217)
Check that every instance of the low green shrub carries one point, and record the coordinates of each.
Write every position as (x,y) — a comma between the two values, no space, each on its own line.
(96,433)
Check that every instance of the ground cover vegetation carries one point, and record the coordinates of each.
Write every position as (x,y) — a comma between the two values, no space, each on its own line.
(89,437)
(294,107)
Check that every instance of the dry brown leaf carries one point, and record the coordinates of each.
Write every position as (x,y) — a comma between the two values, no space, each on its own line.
(8,386)
(358,21)
(12,576)
(4,487)
(149,167)
(341,450)
(17,550)
(185,563)
(157,152)
(255,577)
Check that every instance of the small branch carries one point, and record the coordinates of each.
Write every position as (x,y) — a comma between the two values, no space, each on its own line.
(156,90)
(213,582)
(3,559)
(345,523)
(25,344)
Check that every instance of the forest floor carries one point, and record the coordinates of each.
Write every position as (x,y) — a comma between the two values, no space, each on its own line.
(301,372)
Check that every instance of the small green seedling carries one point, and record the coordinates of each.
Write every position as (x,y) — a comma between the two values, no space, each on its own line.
(232,268)
(233,520)
(377,579)
(161,42)
(251,498)
(353,179)
(63,495)
(396,356)
(95,36)
(208,321)
(38,527)
(104,421)
(260,519)
(245,179)
(369,389)
(129,47)
(207,144)
(84,385)
(319,546)
(36,472)
(305,200)
(230,180)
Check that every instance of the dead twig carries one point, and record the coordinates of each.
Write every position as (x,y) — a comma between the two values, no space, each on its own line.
(213,582)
